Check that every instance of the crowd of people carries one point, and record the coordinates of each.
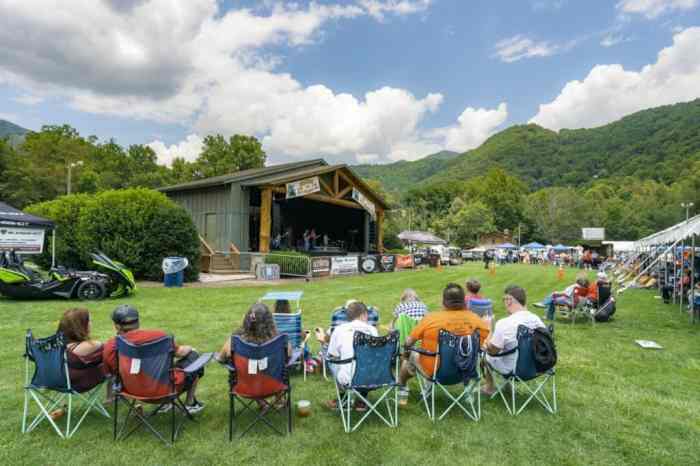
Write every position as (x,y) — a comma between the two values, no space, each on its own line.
(90,361)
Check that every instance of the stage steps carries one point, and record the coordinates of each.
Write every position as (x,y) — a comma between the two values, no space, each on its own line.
(221,264)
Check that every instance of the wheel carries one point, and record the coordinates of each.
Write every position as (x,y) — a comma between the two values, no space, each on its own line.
(368,264)
(91,290)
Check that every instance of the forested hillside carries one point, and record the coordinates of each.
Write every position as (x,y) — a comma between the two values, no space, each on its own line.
(400,176)
(652,144)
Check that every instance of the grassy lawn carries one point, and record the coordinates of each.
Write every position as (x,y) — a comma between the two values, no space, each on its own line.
(618,404)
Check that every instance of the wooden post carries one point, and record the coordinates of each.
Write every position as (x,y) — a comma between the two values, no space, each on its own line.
(380,230)
(265,219)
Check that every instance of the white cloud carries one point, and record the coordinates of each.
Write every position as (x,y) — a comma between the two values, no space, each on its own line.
(611,40)
(654,8)
(378,8)
(192,64)
(188,149)
(473,127)
(609,91)
(518,47)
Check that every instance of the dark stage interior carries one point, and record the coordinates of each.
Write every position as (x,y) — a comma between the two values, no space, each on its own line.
(344,226)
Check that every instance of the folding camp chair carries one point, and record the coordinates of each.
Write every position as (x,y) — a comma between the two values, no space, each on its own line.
(404,325)
(526,376)
(446,373)
(338,317)
(145,374)
(50,386)
(481,307)
(574,307)
(290,325)
(376,367)
(256,374)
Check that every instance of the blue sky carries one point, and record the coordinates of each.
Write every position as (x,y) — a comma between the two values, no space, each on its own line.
(356,80)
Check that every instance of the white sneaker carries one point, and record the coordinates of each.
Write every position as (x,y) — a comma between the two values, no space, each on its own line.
(196,407)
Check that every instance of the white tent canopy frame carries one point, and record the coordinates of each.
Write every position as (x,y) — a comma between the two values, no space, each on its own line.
(666,241)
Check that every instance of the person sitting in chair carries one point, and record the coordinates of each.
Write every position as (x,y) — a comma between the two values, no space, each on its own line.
(126,323)
(341,347)
(84,355)
(505,335)
(454,318)
(410,305)
(340,316)
(569,297)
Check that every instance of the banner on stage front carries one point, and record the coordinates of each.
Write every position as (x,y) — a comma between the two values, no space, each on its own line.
(24,240)
(320,266)
(364,202)
(344,265)
(303,187)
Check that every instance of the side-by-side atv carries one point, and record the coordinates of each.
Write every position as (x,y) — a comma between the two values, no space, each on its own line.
(20,282)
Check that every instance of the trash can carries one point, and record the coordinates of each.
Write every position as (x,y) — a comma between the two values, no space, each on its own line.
(174,271)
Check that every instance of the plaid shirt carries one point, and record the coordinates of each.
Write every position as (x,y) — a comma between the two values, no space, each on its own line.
(413,309)
(340,317)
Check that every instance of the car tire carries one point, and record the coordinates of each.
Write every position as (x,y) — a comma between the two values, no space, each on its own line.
(91,290)
(368,264)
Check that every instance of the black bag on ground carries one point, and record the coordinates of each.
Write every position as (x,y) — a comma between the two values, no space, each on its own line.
(606,311)
(543,349)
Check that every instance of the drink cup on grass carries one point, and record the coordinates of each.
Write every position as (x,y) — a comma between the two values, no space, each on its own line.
(304,408)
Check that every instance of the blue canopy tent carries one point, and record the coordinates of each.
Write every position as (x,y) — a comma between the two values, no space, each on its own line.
(562,248)
(534,245)
(506,246)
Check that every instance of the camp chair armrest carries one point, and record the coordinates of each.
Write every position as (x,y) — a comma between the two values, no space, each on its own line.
(227,364)
(297,354)
(504,353)
(422,351)
(339,361)
(199,363)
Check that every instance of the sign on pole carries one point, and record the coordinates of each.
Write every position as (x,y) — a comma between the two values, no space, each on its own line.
(364,202)
(303,187)
(593,234)
(24,240)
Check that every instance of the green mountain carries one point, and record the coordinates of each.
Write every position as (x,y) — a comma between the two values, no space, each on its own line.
(13,132)
(400,176)
(658,144)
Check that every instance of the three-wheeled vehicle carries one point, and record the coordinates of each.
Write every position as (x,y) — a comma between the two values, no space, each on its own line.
(20,282)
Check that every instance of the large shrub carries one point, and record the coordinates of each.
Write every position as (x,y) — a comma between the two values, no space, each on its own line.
(135,226)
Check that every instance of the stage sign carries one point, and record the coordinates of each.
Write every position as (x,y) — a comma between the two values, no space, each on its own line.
(364,202)
(344,265)
(320,266)
(24,240)
(593,234)
(388,263)
(404,262)
(303,187)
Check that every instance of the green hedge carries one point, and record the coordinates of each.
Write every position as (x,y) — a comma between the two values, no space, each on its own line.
(138,227)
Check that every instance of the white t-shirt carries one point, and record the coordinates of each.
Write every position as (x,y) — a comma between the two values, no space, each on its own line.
(505,336)
(340,347)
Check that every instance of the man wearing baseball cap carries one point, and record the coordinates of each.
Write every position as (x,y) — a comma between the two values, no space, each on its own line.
(126,322)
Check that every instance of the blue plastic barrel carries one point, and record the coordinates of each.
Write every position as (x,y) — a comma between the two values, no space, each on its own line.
(174,271)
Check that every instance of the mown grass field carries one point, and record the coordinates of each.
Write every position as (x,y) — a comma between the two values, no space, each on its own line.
(618,404)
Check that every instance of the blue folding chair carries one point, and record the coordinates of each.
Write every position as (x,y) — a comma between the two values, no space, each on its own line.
(525,375)
(50,386)
(290,325)
(376,367)
(256,374)
(481,307)
(446,373)
(339,316)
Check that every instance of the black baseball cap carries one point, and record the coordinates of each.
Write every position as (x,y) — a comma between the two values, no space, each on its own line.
(125,314)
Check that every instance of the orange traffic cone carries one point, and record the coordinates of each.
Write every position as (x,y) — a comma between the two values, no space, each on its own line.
(560,273)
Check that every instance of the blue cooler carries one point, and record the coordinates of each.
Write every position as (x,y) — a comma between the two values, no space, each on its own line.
(174,271)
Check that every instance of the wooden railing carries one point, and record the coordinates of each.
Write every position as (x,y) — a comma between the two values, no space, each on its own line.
(206,255)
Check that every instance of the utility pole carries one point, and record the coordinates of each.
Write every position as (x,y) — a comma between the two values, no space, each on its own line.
(70,169)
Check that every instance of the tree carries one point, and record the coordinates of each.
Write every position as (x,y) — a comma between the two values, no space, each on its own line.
(465,222)
(220,157)
(505,196)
